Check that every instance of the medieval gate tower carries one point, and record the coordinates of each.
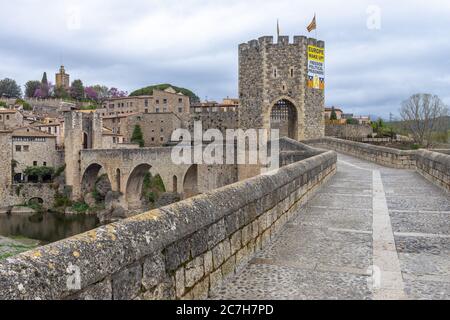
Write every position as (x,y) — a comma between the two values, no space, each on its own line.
(281,85)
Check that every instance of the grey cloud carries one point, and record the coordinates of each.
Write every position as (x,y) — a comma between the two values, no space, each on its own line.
(193,43)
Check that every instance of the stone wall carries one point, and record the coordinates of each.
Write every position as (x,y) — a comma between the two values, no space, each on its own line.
(215,120)
(348,131)
(24,192)
(181,251)
(435,167)
(382,155)
(432,165)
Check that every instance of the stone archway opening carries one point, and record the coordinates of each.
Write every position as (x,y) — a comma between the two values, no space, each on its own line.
(284,117)
(144,186)
(95,181)
(190,183)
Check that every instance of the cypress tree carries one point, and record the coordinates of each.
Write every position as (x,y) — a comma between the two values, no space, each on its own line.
(137,136)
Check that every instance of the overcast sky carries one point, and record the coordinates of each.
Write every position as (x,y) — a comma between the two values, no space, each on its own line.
(371,64)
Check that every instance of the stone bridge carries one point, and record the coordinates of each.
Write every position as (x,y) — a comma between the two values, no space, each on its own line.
(126,169)
(359,222)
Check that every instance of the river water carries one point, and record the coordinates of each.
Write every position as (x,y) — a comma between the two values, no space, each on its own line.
(46,227)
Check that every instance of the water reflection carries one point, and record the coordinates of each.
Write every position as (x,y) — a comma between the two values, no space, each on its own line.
(46,227)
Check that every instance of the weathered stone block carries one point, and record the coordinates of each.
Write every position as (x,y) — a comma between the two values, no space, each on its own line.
(98,291)
(163,291)
(246,234)
(229,267)
(199,242)
(208,262)
(218,255)
(153,271)
(177,254)
(232,223)
(179,282)
(236,242)
(201,290)
(194,271)
(215,279)
(216,233)
(126,284)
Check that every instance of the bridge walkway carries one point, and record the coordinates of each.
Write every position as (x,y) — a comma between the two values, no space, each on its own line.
(371,233)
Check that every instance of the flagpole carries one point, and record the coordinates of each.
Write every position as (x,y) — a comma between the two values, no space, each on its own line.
(315,16)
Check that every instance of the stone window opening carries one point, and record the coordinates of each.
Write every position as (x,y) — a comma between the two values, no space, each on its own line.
(275,72)
(35,163)
(26,148)
(291,72)
(18,148)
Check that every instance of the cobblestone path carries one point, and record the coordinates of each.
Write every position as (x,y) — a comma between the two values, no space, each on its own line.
(371,233)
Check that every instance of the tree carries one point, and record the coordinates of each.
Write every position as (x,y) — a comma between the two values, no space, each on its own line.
(137,136)
(60,92)
(44,89)
(116,93)
(423,114)
(351,121)
(102,93)
(31,87)
(90,93)
(333,115)
(10,88)
(77,90)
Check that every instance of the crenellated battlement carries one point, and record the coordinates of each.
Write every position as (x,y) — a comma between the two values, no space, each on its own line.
(281,41)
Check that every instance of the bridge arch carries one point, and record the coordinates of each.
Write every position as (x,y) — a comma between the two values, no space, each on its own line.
(135,184)
(91,176)
(190,182)
(284,117)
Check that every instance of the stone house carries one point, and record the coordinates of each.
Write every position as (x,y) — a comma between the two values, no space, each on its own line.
(160,101)
(10,119)
(32,147)
(157,127)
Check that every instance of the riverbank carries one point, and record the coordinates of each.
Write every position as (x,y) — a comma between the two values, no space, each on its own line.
(10,247)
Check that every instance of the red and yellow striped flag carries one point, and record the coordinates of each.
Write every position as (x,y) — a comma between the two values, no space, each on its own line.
(312,26)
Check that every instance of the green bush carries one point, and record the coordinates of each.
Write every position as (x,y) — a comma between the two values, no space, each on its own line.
(61,201)
(90,107)
(80,207)
(351,121)
(26,106)
(3,104)
(60,170)
(39,172)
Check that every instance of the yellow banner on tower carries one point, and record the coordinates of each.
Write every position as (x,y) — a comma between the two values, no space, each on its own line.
(316,69)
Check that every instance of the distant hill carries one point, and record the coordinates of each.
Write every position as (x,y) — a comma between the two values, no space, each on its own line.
(149,91)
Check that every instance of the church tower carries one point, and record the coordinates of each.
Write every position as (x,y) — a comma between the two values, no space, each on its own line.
(62,79)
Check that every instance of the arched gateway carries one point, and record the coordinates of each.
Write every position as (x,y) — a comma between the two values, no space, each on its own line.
(283,116)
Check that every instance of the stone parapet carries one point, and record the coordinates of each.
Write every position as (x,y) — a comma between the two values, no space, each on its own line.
(434,166)
(181,251)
